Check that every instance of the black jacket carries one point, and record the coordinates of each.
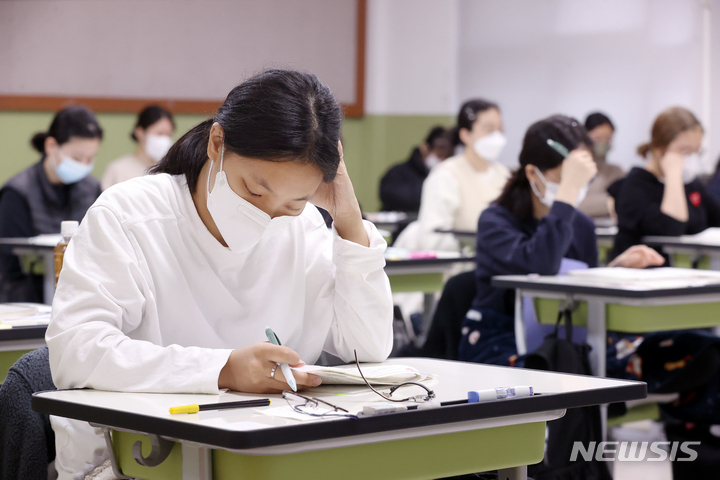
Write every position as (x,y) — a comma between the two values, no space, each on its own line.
(637,204)
(30,205)
(401,187)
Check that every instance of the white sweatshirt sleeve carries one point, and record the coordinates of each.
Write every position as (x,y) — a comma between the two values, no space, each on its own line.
(361,298)
(101,299)
(438,205)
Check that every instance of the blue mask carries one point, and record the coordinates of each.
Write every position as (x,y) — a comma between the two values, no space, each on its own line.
(71,171)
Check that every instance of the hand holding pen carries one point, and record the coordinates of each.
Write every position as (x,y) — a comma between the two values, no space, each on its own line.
(249,370)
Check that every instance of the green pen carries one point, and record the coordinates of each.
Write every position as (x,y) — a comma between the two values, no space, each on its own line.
(558,147)
(284,367)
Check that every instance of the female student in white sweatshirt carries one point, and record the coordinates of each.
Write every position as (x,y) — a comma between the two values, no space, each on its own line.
(457,190)
(171,279)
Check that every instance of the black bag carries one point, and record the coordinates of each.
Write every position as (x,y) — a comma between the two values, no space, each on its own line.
(557,354)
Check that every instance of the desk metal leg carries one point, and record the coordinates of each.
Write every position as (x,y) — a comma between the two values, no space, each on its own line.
(517,473)
(520,341)
(714,261)
(428,304)
(196,462)
(49,278)
(597,339)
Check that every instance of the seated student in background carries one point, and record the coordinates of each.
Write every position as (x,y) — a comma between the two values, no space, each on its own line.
(171,279)
(56,188)
(401,186)
(600,130)
(458,189)
(665,197)
(531,228)
(153,133)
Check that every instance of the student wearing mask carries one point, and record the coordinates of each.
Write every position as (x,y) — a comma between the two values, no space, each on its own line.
(534,226)
(153,134)
(401,187)
(56,188)
(665,197)
(171,279)
(598,203)
(461,187)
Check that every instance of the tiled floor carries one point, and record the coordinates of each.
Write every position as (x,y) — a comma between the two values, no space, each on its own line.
(642,471)
(639,432)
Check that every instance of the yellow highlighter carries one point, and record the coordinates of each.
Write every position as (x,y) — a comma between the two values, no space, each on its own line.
(262,402)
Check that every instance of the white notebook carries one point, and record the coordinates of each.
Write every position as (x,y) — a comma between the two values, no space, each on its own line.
(710,236)
(376,374)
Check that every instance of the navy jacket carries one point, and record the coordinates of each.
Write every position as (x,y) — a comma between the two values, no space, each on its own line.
(507,246)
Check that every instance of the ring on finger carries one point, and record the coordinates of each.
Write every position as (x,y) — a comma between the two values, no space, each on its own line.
(272,372)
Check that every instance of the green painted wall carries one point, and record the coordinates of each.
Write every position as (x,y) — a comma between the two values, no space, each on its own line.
(371,143)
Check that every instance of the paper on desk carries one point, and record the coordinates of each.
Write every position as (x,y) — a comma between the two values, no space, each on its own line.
(46,240)
(650,279)
(651,274)
(376,374)
(24,314)
(709,235)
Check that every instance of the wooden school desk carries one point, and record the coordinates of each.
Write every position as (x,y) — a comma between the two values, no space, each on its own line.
(42,246)
(602,305)
(423,275)
(506,435)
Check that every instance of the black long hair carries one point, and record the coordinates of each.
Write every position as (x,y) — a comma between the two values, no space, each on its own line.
(277,115)
(75,121)
(517,195)
(149,115)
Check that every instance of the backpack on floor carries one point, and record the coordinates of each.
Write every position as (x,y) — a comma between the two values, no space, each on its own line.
(582,424)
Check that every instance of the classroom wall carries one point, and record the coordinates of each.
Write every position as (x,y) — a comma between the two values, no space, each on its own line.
(629,58)
(409,88)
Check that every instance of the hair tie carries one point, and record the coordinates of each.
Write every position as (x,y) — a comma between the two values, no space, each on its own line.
(470,114)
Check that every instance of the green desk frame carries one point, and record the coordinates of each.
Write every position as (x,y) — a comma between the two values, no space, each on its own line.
(602,313)
(499,448)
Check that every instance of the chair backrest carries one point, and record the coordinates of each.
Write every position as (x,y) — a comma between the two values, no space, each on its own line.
(535,332)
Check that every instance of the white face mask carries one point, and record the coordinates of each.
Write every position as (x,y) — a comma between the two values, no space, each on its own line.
(551,189)
(241,224)
(691,167)
(490,146)
(156,146)
(431,160)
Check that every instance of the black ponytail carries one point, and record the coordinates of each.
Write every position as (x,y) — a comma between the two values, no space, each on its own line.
(516,197)
(38,141)
(278,116)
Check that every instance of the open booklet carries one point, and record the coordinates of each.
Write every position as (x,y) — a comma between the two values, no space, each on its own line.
(375,374)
